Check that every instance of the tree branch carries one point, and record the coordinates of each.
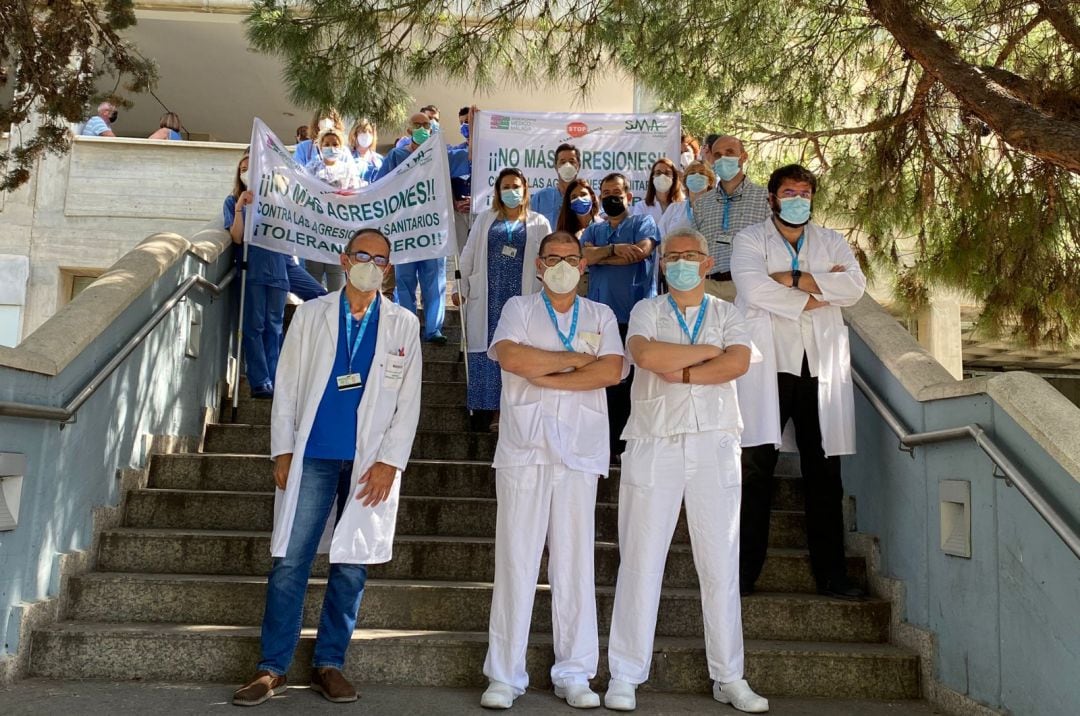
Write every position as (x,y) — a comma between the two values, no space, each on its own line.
(1015,39)
(1057,12)
(1023,126)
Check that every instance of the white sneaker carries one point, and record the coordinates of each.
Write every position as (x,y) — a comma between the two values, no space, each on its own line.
(498,696)
(578,695)
(741,696)
(620,696)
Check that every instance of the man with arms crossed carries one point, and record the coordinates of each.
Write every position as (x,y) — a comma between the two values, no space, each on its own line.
(682,444)
(557,352)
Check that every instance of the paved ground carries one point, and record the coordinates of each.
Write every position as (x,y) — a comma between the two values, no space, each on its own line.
(93,698)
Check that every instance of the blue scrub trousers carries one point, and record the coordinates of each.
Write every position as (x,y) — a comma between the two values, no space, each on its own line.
(431,275)
(264,321)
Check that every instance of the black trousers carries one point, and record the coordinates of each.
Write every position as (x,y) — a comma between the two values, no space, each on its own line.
(618,402)
(822,488)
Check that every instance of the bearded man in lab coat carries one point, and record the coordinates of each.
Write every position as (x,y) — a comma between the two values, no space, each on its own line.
(793,277)
(346,406)
(557,353)
(682,443)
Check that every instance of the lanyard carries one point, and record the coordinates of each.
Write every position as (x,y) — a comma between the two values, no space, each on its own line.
(795,253)
(567,340)
(682,322)
(363,325)
(726,221)
(689,211)
(509,226)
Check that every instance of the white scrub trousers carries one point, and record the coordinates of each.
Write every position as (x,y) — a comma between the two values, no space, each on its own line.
(536,503)
(657,476)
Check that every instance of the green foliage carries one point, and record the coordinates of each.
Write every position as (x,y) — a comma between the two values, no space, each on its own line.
(51,54)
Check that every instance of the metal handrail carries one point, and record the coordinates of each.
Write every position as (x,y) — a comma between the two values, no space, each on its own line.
(67,412)
(1012,474)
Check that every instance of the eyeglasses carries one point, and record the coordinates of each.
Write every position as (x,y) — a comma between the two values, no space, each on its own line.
(554,259)
(695,256)
(363,257)
(791,193)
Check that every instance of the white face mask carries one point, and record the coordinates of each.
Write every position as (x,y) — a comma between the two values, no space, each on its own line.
(686,158)
(567,171)
(325,124)
(365,277)
(244,176)
(561,278)
(364,140)
(662,183)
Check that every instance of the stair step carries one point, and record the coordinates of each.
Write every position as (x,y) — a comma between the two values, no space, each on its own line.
(421,478)
(450,606)
(442,445)
(450,351)
(425,658)
(446,516)
(452,370)
(415,557)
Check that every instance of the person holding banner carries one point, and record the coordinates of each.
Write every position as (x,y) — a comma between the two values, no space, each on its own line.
(496,265)
(342,427)
(333,164)
(557,351)
(622,271)
(549,200)
(682,447)
(429,274)
(322,120)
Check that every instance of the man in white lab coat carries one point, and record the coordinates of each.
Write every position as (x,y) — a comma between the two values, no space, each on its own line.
(793,277)
(346,406)
(682,444)
(557,353)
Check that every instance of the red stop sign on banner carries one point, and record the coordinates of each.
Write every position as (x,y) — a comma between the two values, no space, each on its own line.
(577,129)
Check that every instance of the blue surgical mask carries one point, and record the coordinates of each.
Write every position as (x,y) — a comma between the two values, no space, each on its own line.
(727,168)
(581,206)
(420,135)
(683,275)
(696,183)
(434,126)
(795,210)
(465,130)
(511,198)
(331,153)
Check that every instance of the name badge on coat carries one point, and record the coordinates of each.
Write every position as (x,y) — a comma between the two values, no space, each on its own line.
(394,371)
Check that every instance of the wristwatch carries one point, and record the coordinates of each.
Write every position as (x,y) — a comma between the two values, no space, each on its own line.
(796,274)
(686,375)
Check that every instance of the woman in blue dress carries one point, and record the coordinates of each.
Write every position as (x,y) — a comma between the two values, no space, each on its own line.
(498,262)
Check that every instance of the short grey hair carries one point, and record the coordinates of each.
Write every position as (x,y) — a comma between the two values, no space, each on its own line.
(686,232)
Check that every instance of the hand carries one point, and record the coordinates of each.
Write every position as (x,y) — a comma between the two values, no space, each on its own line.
(282,464)
(246,197)
(584,359)
(455,298)
(782,277)
(374,485)
(674,376)
(462,206)
(814,303)
(630,252)
(838,268)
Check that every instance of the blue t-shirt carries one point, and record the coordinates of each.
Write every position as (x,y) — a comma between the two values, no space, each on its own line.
(548,201)
(266,268)
(175,136)
(333,433)
(621,287)
(95,127)
(302,152)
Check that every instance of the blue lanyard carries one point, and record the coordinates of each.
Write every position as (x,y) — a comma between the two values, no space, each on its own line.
(509,226)
(689,211)
(726,221)
(682,322)
(795,253)
(567,340)
(363,325)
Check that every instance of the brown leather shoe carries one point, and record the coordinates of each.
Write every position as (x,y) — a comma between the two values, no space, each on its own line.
(262,688)
(331,683)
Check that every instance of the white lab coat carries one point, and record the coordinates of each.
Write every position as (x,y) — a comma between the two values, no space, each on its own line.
(678,215)
(473,285)
(774,314)
(386,422)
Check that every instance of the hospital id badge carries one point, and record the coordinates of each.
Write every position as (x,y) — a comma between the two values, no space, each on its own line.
(349,381)
(591,341)
(509,251)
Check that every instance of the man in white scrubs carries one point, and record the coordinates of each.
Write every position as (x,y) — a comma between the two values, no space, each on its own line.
(557,352)
(346,406)
(682,444)
(793,277)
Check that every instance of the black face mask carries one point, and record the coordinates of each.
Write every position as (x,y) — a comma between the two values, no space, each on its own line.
(613,205)
(113,116)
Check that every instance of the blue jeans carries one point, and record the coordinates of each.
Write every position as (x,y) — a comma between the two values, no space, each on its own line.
(321,482)
(264,320)
(431,276)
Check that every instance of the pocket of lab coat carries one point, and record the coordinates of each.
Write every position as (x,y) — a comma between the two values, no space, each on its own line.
(475,282)
(644,415)
(727,460)
(523,425)
(591,440)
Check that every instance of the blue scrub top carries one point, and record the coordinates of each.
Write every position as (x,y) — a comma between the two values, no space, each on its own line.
(621,287)
(394,157)
(369,165)
(333,433)
(266,268)
(548,201)
(460,166)
(302,152)
(175,136)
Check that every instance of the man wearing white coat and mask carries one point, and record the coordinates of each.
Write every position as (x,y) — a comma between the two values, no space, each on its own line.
(557,352)
(346,406)
(682,444)
(793,277)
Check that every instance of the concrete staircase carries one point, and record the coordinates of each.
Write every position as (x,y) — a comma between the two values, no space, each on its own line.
(178,590)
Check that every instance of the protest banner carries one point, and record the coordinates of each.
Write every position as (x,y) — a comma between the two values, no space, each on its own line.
(625,143)
(295,213)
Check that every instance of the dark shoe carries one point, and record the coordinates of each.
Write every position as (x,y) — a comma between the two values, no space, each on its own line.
(332,685)
(438,339)
(842,589)
(262,688)
(263,394)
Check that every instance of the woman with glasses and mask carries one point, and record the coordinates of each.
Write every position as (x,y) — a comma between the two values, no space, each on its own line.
(496,264)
